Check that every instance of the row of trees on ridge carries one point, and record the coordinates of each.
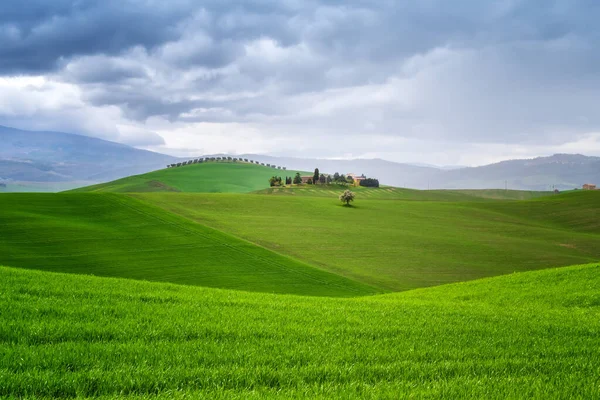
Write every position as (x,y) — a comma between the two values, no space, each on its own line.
(214,159)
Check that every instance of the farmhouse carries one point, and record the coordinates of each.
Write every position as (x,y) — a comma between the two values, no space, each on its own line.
(589,186)
(306,178)
(357,178)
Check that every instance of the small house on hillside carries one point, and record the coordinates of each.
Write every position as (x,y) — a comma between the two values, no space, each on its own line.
(589,186)
(305,179)
(357,178)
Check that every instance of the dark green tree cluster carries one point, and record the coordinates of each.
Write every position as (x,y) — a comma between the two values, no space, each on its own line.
(341,179)
(369,182)
(275,181)
(297,179)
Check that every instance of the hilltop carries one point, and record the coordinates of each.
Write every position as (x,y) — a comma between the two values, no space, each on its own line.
(207,177)
(244,177)
(528,335)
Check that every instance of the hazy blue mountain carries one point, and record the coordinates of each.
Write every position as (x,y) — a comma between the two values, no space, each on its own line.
(31,156)
(62,160)
(562,171)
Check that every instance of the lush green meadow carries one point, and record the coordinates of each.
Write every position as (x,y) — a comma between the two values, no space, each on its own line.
(295,244)
(115,235)
(399,245)
(394,193)
(186,324)
(210,177)
(529,335)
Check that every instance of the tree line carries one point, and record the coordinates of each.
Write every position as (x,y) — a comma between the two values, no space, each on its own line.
(322,179)
(232,159)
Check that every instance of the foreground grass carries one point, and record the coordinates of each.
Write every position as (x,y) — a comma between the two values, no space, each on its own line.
(530,335)
(399,245)
(114,235)
(211,177)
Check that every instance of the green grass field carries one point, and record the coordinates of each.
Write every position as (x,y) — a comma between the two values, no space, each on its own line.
(211,177)
(529,335)
(399,245)
(115,235)
(283,292)
(393,193)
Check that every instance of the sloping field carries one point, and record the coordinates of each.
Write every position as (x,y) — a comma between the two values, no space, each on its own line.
(399,245)
(577,211)
(530,335)
(501,194)
(393,193)
(211,177)
(113,235)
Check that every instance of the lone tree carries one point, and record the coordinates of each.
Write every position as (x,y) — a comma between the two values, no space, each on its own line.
(347,197)
(316,176)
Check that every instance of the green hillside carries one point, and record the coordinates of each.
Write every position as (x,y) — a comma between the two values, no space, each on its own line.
(295,244)
(393,193)
(399,245)
(531,335)
(212,177)
(114,235)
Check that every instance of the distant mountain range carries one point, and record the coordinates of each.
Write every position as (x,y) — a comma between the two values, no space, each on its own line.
(29,156)
(560,171)
(74,160)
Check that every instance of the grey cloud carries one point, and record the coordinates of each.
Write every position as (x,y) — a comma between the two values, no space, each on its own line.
(509,71)
(102,69)
(47,32)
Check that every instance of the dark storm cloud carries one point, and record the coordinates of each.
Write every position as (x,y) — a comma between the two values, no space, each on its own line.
(513,71)
(104,70)
(37,35)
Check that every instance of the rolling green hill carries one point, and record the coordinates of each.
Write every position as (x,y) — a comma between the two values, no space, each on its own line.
(115,235)
(212,177)
(529,335)
(230,177)
(295,244)
(399,245)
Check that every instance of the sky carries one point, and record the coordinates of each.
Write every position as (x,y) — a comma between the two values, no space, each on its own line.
(464,82)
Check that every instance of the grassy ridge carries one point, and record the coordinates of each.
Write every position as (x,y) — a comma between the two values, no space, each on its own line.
(212,177)
(532,335)
(399,245)
(114,235)
(393,193)
(230,177)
